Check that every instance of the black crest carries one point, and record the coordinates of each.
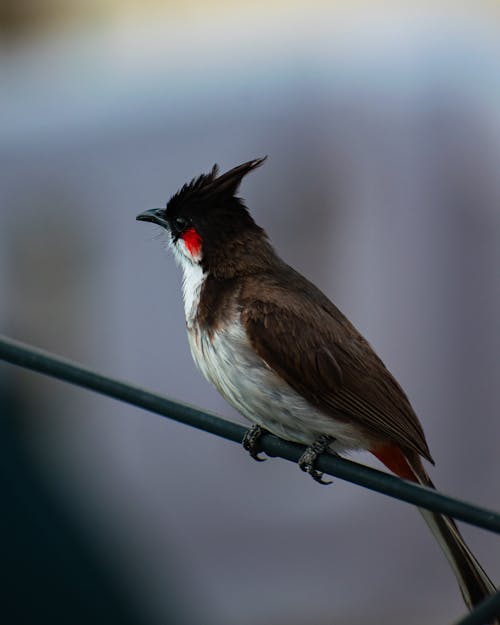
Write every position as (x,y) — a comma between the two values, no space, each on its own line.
(210,188)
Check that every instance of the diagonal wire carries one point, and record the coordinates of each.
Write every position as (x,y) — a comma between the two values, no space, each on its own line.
(38,360)
(26,356)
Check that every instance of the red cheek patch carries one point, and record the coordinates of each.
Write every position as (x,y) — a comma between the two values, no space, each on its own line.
(192,241)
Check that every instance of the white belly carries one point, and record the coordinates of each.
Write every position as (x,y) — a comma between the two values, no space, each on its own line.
(249,385)
(245,380)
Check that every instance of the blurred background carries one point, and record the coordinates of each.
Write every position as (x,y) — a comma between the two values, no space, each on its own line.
(381,121)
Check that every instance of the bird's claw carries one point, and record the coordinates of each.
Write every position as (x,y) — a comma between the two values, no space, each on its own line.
(309,457)
(251,442)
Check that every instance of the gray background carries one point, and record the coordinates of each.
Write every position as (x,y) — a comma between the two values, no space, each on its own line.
(382,186)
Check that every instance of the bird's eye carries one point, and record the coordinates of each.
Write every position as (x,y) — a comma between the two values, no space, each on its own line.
(180,224)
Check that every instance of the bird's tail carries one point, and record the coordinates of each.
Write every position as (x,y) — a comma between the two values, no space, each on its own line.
(474,584)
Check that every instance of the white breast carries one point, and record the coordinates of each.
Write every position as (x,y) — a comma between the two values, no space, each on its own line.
(191,289)
(227,359)
(192,281)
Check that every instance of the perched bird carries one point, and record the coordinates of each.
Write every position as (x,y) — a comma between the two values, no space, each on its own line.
(284,355)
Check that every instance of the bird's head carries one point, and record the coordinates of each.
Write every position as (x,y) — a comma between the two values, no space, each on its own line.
(205,216)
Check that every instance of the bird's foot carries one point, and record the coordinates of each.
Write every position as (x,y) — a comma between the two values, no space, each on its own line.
(309,457)
(251,441)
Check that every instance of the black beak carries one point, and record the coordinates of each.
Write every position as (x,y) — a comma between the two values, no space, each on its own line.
(155,216)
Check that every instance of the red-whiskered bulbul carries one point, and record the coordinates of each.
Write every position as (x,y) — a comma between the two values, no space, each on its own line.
(284,355)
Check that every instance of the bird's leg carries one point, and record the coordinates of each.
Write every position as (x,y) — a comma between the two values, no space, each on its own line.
(309,457)
(251,441)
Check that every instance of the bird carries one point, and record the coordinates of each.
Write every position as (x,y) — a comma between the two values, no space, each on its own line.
(285,357)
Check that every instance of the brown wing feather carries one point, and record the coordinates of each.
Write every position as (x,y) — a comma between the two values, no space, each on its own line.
(302,336)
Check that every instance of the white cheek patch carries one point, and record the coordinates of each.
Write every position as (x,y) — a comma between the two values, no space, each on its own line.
(182,249)
(182,253)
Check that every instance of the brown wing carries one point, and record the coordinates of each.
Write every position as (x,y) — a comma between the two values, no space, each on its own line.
(308,342)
